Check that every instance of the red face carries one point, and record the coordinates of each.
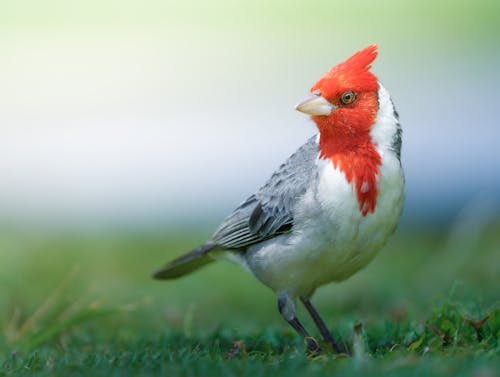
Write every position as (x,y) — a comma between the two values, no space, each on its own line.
(352,89)
(344,106)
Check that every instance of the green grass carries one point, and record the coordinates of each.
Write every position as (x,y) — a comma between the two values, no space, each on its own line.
(79,304)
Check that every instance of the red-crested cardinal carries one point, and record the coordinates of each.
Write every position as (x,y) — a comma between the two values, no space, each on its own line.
(329,208)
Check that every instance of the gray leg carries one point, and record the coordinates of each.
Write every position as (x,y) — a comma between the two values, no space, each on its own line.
(327,335)
(286,306)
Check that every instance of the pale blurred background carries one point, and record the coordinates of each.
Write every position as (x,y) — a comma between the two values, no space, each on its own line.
(166,114)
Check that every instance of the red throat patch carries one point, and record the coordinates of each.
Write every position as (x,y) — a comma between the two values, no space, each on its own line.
(360,166)
(345,133)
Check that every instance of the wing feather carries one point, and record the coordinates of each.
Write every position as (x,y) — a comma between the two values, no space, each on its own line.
(269,212)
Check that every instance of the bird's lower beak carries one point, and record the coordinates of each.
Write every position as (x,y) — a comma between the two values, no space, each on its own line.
(315,104)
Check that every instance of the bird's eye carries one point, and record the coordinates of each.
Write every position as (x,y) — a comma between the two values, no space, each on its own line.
(348,97)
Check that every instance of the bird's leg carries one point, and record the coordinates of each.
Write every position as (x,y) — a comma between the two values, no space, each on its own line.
(286,306)
(327,335)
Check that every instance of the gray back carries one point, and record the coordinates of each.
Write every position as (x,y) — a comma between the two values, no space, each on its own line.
(269,212)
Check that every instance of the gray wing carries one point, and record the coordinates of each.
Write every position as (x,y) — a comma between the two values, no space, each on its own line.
(269,212)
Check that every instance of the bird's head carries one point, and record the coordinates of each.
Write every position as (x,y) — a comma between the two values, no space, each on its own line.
(343,103)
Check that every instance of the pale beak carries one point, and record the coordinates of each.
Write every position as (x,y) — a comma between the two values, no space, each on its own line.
(315,104)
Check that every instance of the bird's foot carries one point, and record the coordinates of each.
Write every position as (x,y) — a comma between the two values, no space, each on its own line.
(339,350)
(313,347)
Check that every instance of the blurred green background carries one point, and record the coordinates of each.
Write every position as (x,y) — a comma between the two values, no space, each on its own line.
(130,128)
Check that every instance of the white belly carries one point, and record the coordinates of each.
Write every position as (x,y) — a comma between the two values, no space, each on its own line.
(331,240)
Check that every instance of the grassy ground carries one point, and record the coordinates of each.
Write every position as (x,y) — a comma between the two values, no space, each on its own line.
(78,304)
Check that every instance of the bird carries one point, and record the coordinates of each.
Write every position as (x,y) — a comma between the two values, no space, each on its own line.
(324,214)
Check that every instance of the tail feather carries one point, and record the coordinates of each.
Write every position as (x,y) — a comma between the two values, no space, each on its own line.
(186,263)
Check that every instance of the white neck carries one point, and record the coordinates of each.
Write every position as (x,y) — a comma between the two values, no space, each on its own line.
(386,132)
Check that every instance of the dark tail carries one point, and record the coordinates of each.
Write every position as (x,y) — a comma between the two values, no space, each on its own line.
(186,263)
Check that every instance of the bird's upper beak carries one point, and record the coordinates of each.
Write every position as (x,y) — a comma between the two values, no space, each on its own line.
(315,104)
